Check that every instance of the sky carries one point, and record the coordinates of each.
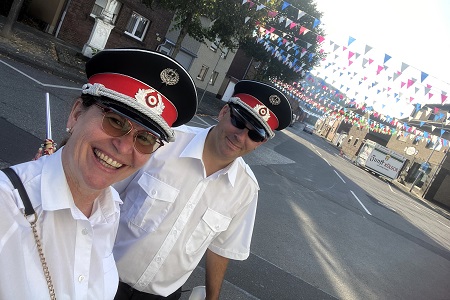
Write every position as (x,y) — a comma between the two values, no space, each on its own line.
(414,32)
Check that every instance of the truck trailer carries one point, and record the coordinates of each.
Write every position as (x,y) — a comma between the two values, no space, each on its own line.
(380,160)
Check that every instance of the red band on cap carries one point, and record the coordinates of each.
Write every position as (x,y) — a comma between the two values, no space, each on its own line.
(258,107)
(141,92)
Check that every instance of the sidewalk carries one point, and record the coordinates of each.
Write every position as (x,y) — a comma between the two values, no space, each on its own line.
(43,51)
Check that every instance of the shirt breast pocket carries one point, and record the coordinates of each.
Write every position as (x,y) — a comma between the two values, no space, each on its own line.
(211,224)
(158,199)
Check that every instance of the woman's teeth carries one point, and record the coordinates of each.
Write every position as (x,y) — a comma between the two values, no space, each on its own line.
(106,160)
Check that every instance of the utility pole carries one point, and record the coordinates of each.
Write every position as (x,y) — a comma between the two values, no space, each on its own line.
(423,170)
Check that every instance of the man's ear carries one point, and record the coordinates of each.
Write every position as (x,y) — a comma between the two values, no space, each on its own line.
(223,111)
(77,110)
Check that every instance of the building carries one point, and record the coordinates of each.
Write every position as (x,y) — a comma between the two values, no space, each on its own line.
(423,139)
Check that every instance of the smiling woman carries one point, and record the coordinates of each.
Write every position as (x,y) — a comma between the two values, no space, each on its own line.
(124,114)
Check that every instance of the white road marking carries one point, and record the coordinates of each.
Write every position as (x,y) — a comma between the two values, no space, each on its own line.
(367,211)
(339,176)
(327,161)
(318,152)
(38,82)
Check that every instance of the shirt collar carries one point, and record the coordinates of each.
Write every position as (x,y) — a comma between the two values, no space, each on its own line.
(194,149)
(59,196)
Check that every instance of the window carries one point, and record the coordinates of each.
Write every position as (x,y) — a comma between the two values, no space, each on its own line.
(401,137)
(100,5)
(434,145)
(201,75)
(214,44)
(356,141)
(213,78)
(350,139)
(137,26)
(225,53)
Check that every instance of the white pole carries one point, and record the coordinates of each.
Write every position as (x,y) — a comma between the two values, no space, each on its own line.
(49,120)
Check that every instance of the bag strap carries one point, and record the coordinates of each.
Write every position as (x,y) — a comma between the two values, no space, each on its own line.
(17,183)
(29,210)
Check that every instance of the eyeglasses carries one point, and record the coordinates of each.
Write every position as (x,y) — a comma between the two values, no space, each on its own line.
(239,122)
(115,125)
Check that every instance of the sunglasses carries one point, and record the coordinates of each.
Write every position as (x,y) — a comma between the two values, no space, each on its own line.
(115,125)
(238,121)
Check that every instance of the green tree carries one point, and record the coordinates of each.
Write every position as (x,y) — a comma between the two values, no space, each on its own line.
(225,20)
(278,67)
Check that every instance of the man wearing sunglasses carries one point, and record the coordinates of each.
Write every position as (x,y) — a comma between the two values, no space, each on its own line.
(196,196)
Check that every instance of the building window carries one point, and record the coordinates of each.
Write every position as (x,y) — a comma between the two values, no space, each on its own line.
(213,78)
(214,44)
(100,5)
(137,26)
(401,137)
(350,139)
(356,141)
(201,75)
(434,145)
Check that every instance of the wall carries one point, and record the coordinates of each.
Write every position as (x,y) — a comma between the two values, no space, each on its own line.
(78,24)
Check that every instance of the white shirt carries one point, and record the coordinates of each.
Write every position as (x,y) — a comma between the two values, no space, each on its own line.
(172,213)
(78,251)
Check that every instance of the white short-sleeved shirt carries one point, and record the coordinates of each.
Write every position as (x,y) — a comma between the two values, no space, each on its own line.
(172,213)
(78,251)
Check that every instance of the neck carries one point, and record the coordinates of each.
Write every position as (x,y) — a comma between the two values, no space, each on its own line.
(211,159)
(83,199)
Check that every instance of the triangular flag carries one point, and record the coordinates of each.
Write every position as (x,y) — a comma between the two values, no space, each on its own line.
(285,4)
(350,40)
(300,14)
(404,66)
(423,76)
(316,22)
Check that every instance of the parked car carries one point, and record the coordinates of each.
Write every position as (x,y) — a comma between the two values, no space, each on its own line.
(308,128)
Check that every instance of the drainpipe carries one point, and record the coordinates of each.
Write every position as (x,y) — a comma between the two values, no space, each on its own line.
(62,17)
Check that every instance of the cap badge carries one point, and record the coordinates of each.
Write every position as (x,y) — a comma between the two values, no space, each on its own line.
(262,111)
(152,99)
(274,100)
(169,76)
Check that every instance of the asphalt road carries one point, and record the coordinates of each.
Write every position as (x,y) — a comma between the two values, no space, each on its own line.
(325,229)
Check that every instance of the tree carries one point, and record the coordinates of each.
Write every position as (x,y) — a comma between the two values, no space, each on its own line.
(226,26)
(275,63)
(12,17)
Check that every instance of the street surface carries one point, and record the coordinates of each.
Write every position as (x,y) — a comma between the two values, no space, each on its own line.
(325,229)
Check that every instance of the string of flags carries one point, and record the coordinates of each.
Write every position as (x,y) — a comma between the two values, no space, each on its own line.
(315,95)
(397,86)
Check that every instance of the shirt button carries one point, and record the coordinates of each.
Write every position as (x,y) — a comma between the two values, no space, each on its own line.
(84,231)
(158,259)
(80,278)
(153,192)
(217,227)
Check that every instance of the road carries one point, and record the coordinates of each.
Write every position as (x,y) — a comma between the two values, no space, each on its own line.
(325,229)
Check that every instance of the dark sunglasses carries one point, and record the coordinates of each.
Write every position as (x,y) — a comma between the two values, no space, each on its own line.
(239,122)
(115,125)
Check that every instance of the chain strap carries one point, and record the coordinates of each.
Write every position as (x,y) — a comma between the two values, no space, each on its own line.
(48,278)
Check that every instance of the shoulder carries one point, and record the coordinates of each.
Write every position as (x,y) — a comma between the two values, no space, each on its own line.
(186,130)
(246,171)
